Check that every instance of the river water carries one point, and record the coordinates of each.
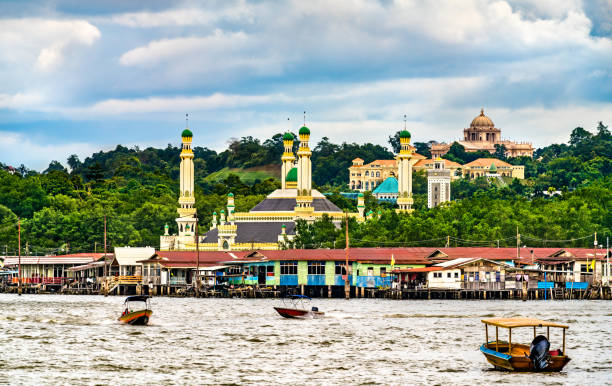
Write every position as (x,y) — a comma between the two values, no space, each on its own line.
(56,339)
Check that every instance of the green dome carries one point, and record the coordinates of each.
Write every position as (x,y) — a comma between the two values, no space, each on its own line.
(360,195)
(230,195)
(187,133)
(214,213)
(493,167)
(404,134)
(222,211)
(292,175)
(304,130)
(288,137)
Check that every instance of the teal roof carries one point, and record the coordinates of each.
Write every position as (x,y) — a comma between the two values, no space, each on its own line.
(388,186)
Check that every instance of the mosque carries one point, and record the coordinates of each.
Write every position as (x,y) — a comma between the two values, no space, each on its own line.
(270,224)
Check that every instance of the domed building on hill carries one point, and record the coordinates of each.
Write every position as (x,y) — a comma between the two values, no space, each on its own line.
(483,135)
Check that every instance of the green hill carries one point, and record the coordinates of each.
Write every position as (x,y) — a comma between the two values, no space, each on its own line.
(248,175)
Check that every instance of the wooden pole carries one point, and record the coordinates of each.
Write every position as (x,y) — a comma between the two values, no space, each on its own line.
(105,284)
(347,286)
(486,333)
(564,342)
(510,341)
(197,289)
(496,338)
(534,332)
(19,254)
(548,333)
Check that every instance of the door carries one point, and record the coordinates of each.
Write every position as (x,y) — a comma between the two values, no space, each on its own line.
(261,275)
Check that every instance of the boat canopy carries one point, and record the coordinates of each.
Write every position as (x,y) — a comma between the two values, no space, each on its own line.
(138,298)
(521,322)
(298,297)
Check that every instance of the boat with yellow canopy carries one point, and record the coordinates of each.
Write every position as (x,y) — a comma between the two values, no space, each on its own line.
(536,356)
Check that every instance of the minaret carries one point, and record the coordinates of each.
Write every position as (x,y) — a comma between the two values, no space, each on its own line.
(438,184)
(404,171)
(304,183)
(186,210)
(360,205)
(287,158)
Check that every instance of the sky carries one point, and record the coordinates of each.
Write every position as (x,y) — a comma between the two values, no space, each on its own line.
(77,77)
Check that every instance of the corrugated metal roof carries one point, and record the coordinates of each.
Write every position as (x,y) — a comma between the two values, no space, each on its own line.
(40,260)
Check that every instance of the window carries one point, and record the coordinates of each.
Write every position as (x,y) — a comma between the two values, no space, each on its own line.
(145,270)
(316,268)
(370,271)
(448,274)
(270,270)
(234,270)
(367,173)
(288,267)
(383,272)
(456,275)
(340,268)
(584,268)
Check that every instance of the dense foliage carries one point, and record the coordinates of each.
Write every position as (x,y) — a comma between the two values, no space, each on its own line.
(566,195)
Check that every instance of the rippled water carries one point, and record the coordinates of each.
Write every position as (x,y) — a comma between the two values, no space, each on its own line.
(54,339)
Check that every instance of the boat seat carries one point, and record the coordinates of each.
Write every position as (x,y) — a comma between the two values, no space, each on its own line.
(556,353)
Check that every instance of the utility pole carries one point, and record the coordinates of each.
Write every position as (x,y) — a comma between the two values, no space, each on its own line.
(19,258)
(594,259)
(347,285)
(607,260)
(197,234)
(105,284)
(518,244)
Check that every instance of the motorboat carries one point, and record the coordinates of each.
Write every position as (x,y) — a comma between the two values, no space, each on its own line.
(137,310)
(537,356)
(298,307)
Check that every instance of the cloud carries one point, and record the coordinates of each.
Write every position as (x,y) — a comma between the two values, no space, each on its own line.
(13,147)
(177,104)
(21,101)
(235,12)
(42,43)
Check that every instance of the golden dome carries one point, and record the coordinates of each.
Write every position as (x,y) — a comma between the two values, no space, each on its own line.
(482,121)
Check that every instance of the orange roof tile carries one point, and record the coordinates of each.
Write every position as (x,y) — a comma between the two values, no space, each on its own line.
(486,162)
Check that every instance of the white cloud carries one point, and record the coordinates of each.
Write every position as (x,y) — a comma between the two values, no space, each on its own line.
(21,101)
(36,153)
(42,43)
(234,11)
(177,104)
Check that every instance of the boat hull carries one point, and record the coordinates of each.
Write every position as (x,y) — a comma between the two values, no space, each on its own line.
(517,359)
(136,318)
(295,313)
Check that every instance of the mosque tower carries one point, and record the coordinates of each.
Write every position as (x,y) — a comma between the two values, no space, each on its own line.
(186,210)
(304,169)
(404,172)
(287,159)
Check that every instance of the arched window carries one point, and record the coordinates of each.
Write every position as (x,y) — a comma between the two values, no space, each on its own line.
(181,227)
(367,173)
(367,185)
(377,174)
(225,245)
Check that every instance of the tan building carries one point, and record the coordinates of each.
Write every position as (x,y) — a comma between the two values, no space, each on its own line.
(483,135)
(369,176)
(426,164)
(483,166)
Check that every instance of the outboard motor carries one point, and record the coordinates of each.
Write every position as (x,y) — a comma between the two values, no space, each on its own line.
(539,352)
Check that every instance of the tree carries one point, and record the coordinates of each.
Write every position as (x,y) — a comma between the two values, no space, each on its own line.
(74,162)
(500,151)
(579,135)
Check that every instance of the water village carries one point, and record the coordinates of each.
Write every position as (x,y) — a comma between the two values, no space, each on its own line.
(246,255)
